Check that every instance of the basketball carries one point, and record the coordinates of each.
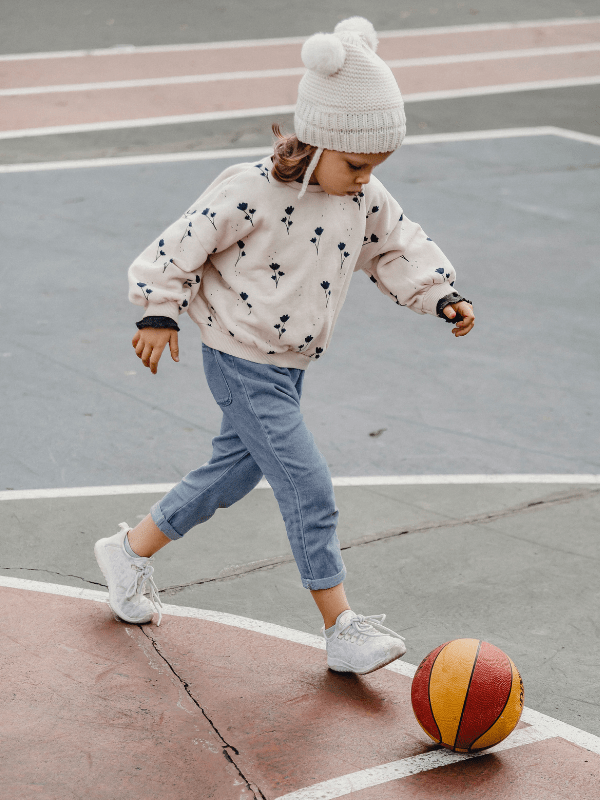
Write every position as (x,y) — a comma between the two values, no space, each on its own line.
(467,695)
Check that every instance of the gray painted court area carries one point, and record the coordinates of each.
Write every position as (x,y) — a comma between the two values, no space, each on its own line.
(514,564)
(517,218)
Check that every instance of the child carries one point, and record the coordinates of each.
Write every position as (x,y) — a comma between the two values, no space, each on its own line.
(262,264)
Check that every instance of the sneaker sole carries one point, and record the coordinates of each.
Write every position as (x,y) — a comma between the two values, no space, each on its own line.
(119,617)
(342,666)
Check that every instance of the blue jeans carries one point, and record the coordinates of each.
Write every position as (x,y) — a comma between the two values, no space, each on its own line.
(262,433)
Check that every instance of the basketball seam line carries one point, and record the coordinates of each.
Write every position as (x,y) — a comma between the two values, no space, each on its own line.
(466,695)
(502,712)
(429,692)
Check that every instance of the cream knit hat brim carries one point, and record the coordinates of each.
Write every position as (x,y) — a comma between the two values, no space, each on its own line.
(348,100)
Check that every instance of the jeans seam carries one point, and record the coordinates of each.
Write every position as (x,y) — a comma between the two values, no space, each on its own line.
(229,399)
(298,504)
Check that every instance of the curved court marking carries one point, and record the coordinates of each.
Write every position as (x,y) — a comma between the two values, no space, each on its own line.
(541,726)
(172,48)
(403,768)
(368,480)
(494,55)
(257,152)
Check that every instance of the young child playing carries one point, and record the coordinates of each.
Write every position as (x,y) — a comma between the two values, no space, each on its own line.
(262,263)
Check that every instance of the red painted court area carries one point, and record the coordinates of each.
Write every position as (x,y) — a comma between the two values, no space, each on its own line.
(99,709)
(102,87)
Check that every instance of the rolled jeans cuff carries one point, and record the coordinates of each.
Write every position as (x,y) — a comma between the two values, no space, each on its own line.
(323,583)
(161,523)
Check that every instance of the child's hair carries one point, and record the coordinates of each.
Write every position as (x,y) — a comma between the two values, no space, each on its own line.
(291,158)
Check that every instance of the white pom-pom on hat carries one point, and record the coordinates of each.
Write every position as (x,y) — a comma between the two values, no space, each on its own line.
(323,53)
(361,26)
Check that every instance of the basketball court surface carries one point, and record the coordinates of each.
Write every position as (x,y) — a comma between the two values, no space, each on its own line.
(466,470)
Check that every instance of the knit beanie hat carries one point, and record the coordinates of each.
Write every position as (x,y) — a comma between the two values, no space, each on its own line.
(348,100)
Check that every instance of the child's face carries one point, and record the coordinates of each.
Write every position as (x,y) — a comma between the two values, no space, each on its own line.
(344,174)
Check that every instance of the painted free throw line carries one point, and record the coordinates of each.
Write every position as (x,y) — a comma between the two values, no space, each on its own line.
(368,480)
(541,726)
(257,152)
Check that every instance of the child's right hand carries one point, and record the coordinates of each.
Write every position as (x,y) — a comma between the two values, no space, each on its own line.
(149,344)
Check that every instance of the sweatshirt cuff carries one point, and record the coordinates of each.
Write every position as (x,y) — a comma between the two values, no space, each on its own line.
(454,297)
(169,308)
(157,322)
(433,295)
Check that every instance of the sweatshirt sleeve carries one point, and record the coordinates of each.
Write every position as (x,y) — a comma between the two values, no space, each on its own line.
(402,260)
(166,276)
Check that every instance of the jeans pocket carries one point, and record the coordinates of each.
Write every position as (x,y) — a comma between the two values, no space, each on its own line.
(217,382)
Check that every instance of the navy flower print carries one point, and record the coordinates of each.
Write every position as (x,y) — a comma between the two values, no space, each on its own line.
(189,213)
(343,254)
(316,240)
(242,252)
(317,353)
(263,171)
(166,264)
(277,274)
(325,287)
(372,278)
(286,220)
(145,290)
(159,251)
(189,283)
(358,198)
(248,212)
(244,297)
(210,216)
(374,210)
(187,232)
(308,340)
(280,327)
(372,240)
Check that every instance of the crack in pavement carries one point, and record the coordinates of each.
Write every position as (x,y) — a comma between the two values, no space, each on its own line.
(557,498)
(269,563)
(257,793)
(61,574)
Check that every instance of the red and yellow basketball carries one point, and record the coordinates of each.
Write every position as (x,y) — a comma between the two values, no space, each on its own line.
(467,695)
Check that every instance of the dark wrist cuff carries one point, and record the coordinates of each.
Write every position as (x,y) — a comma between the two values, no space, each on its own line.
(454,297)
(157,322)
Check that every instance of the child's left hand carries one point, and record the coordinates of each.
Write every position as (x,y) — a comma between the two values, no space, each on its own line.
(468,317)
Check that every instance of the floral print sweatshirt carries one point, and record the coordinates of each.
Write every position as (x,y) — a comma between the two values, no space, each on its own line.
(264,275)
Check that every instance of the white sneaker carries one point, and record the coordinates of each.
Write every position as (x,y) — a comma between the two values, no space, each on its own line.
(361,644)
(127,580)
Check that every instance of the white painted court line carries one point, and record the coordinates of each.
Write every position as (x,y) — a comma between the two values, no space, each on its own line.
(258,152)
(542,726)
(177,119)
(383,480)
(124,161)
(291,71)
(375,776)
(173,48)
(209,116)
